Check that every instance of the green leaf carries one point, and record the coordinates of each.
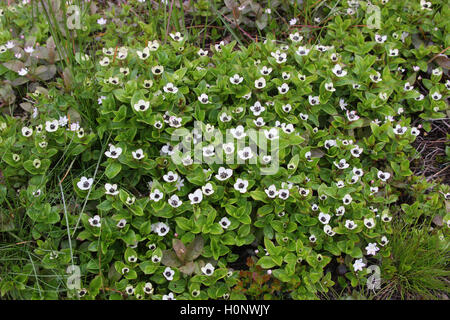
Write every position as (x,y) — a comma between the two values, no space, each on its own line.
(266,262)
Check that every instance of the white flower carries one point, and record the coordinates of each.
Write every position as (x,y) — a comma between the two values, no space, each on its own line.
(384,241)
(241,185)
(259,122)
(352,116)
(386,217)
(99,101)
(271,134)
(175,121)
(245,153)
(324,218)
(102,21)
(203,98)
(283,89)
(224,174)
(179,183)
(260,83)
(342,164)
(295,37)
(340,211)
(113,152)
(170,295)
(280,57)
(175,201)
(238,132)
(130,200)
(328,230)
(271,191)
(399,130)
(350,224)
(224,222)
(153,45)
(408,87)
(138,154)
(293,21)
(383,176)
(329,143)
(236,79)
(338,71)
(393,52)
(51,126)
(380,39)
(168,274)
(218,46)
(208,269)
(425,5)
(322,48)
(358,265)
(415,131)
(347,199)
(313,100)
(160,228)
(329,87)
(265,71)
(289,128)
(111,189)
(122,223)
(156,195)
(202,53)
(148,83)
(95,221)
(196,196)
(224,117)
(208,151)
(9,44)
(176,36)
(375,77)
(228,148)
(302,51)
(286,75)
(436,96)
(170,177)
(169,87)
(157,70)
(148,288)
(28,49)
(303,192)
(358,172)
(141,105)
(22,72)
(369,223)
(85,183)
(356,151)
(257,108)
(372,249)
(208,189)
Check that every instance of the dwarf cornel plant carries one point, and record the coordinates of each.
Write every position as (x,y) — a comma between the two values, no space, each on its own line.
(182,163)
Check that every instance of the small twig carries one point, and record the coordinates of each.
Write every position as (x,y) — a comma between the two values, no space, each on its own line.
(438,54)
(437,173)
(67,172)
(168,20)
(240,29)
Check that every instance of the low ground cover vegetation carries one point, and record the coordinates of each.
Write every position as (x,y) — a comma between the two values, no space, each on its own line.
(236,150)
